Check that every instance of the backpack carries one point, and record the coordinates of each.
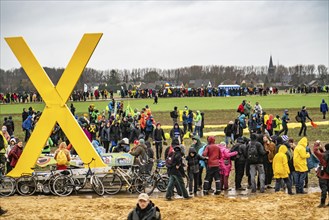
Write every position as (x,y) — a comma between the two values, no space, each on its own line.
(274,124)
(252,153)
(170,160)
(172,114)
(61,158)
(298,118)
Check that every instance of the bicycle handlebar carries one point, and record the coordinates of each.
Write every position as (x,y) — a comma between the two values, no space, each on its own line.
(92,159)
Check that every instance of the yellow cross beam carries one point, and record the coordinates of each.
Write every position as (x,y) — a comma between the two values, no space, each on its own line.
(55,98)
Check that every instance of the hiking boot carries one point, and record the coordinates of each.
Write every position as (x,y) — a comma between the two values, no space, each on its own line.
(322,205)
(211,190)
(217,193)
(2,212)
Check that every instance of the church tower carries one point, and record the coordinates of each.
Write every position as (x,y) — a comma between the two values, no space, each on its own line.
(271,71)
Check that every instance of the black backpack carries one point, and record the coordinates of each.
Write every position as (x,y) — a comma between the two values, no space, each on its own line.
(170,160)
(298,118)
(274,124)
(172,114)
(252,153)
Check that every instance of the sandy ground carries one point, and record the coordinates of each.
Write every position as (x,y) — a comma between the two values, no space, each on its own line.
(262,206)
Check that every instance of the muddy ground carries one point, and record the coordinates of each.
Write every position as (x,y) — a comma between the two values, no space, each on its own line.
(262,206)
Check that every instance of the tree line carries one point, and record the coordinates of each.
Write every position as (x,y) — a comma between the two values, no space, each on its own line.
(16,80)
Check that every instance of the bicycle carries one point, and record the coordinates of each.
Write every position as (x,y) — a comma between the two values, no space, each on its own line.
(155,180)
(65,184)
(7,183)
(113,182)
(28,184)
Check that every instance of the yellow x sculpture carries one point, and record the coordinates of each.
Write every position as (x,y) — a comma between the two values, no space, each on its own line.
(55,98)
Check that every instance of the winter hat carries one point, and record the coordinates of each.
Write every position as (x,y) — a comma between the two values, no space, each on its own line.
(13,139)
(285,138)
(141,141)
(125,140)
(231,122)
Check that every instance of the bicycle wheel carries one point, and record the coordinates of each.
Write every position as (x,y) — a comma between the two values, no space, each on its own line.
(63,185)
(7,186)
(145,184)
(97,185)
(26,185)
(162,183)
(112,183)
(50,185)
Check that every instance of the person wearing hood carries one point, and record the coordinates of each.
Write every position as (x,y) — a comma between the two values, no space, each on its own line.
(193,168)
(269,124)
(11,145)
(300,164)
(175,171)
(145,209)
(115,134)
(281,169)
(324,108)
(303,114)
(225,164)
(185,121)
(242,124)
(285,120)
(149,127)
(269,147)
(213,153)
(322,171)
(158,137)
(15,154)
(177,132)
(197,121)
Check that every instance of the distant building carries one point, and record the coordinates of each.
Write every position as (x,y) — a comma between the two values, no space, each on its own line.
(271,71)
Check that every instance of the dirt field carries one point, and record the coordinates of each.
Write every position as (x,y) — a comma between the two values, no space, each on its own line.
(265,206)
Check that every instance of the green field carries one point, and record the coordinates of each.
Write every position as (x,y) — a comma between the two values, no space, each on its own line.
(195,103)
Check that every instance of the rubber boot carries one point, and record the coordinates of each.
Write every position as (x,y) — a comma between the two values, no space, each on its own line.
(322,204)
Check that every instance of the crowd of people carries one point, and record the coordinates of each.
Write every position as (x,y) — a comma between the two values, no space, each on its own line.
(266,153)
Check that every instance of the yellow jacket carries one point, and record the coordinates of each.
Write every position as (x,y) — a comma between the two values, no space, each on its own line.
(280,163)
(300,156)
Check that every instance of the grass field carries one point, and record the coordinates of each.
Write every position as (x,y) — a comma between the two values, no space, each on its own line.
(194,103)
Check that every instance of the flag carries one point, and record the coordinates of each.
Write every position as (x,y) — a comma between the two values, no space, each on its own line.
(85,87)
(209,85)
(129,110)
(313,124)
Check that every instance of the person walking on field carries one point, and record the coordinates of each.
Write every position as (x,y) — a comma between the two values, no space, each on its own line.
(285,121)
(303,114)
(324,108)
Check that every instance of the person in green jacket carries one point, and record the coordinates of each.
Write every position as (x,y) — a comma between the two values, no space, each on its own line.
(198,121)
(278,124)
(247,109)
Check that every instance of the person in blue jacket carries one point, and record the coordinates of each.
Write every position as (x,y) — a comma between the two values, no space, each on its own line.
(324,108)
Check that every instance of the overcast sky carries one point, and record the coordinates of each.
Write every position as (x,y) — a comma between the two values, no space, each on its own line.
(169,34)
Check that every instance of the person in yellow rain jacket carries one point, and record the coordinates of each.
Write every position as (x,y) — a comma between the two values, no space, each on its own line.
(300,164)
(281,169)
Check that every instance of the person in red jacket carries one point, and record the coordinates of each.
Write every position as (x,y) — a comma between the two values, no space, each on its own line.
(15,154)
(213,153)
(323,156)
